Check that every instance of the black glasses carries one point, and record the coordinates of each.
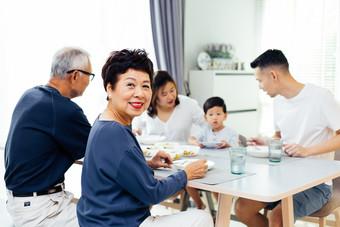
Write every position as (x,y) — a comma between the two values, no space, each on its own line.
(82,71)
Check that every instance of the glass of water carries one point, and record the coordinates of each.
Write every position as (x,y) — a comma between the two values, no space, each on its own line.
(275,149)
(237,159)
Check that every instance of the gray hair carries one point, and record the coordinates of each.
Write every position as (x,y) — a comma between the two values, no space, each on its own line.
(66,59)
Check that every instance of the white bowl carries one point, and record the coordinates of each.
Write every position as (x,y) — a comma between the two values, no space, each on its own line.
(258,151)
(150,139)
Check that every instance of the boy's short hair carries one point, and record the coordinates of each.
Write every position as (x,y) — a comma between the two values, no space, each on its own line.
(212,102)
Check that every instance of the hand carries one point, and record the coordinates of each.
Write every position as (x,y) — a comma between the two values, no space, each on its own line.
(224,144)
(137,131)
(251,141)
(161,159)
(197,143)
(295,150)
(196,169)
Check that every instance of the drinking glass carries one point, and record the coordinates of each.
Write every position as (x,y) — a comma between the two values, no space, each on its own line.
(275,149)
(237,159)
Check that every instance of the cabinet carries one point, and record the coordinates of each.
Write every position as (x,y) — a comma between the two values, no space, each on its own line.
(240,91)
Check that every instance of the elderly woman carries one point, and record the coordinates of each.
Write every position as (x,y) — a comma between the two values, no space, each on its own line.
(118,184)
(169,114)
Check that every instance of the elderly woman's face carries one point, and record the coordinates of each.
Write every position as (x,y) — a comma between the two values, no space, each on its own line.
(132,94)
(167,95)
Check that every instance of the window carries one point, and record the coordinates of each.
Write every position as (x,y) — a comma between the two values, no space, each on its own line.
(308,34)
(32,31)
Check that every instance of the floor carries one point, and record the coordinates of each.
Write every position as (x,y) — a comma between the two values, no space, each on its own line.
(72,183)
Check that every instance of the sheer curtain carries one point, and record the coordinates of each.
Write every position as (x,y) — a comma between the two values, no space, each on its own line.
(308,34)
(32,31)
(167,19)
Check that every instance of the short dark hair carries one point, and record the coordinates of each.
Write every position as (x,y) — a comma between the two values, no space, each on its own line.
(270,58)
(121,61)
(160,79)
(212,102)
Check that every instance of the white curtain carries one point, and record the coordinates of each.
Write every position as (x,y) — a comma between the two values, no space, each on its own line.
(32,31)
(308,34)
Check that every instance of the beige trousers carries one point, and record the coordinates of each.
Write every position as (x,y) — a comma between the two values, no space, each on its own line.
(46,210)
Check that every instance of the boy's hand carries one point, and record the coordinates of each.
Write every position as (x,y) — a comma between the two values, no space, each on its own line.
(223,145)
(195,142)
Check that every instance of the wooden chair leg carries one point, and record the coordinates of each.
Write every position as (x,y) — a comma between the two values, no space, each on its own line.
(322,222)
(336,213)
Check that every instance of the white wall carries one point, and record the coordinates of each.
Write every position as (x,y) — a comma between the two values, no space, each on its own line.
(220,21)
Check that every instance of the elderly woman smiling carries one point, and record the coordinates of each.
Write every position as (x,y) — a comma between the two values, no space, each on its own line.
(118,184)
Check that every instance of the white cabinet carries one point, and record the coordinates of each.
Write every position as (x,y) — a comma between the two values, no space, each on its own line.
(239,89)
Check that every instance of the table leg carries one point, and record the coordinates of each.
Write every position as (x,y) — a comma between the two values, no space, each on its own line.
(288,212)
(225,203)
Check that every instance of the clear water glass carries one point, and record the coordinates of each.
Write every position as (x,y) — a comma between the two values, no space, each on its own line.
(237,159)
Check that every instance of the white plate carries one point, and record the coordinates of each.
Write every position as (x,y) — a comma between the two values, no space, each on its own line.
(167,145)
(204,60)
(211,144)
(258,151)
(150,139)
(189,150)
(149,153)
(180,164)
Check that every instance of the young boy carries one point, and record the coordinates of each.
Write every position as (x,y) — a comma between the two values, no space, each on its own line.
(215,112)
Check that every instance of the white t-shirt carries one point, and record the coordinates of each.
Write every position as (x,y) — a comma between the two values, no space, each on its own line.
(307,119)
(227,134)
(178,126)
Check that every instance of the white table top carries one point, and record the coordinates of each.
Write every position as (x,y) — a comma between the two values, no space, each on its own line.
(269,183)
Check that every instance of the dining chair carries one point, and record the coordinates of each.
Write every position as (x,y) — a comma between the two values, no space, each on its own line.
(183,203)
(331,207)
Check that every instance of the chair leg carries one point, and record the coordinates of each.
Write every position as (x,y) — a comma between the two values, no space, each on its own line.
(322,222)
(336,213)
(184,200)
(210,203)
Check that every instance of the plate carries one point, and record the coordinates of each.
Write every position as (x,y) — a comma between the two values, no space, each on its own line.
(189,150)
(211,144)
(204,60)
(150,139)
(167,145)
(180,164)
(258,151)
(149,153)
(175,155)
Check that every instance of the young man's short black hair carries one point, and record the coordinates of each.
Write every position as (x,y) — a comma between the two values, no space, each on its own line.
(212,102)
(269,58)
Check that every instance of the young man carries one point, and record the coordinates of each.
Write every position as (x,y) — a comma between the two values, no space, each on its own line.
(305,117)
(48,133)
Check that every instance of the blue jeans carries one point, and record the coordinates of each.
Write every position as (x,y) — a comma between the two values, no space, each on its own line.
(308,201)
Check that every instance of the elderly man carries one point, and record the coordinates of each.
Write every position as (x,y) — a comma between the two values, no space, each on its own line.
(307,118)
(48,133)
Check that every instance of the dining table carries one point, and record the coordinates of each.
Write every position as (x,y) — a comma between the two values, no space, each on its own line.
(262,181)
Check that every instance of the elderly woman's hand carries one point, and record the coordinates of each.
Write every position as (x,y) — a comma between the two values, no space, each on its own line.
(161,159)
(196,169)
